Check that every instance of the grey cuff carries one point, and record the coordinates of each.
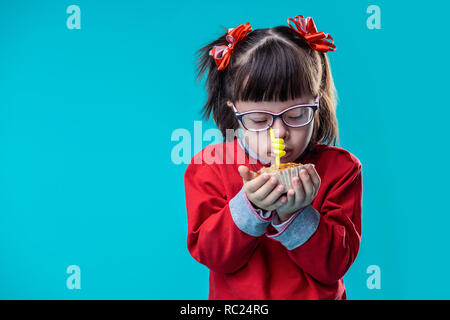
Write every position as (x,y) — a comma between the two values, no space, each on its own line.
(298,229)
(247,218)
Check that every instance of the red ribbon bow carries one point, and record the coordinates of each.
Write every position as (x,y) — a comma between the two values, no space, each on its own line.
(222,54)
(306,28)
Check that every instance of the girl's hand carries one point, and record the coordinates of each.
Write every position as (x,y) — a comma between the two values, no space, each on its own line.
(305,190)
(261,191)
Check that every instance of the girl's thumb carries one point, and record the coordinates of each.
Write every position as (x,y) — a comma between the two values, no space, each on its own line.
(245,173)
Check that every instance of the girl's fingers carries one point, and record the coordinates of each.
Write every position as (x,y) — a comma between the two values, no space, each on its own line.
(262,194)
(307,183)
(255,184)
(279,203)
(314,177)
(290,198)
(273,195)
(298,188)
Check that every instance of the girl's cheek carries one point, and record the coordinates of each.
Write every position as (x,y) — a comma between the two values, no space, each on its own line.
(258,144)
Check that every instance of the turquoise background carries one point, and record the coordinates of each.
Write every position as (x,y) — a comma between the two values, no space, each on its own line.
(87,115)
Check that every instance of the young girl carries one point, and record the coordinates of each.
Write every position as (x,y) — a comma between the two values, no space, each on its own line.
(258,240)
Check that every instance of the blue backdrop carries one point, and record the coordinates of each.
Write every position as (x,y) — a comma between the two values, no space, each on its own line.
(87,117)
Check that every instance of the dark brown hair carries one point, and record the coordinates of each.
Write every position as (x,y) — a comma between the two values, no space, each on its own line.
(272,64)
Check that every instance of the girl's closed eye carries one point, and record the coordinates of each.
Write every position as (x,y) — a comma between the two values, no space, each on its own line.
(258,120)
(296,113)
(299,117)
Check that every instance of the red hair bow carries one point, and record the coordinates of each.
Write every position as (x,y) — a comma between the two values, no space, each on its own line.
(306,28)
(222,54)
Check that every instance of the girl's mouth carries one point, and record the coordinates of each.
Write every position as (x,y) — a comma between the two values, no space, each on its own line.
(288,153)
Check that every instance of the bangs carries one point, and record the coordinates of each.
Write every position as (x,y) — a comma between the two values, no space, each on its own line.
(276,70)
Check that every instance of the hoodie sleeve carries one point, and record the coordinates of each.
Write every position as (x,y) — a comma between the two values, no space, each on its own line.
(222,233)
(325,242)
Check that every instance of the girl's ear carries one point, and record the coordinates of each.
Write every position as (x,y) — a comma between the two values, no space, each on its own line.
(229,103)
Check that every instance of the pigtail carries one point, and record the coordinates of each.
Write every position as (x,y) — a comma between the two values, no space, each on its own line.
(217,85)
(326,129)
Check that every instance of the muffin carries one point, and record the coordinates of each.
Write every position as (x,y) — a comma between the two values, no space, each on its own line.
(284,173)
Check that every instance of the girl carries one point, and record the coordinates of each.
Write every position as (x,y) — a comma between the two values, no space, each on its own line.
(258,240)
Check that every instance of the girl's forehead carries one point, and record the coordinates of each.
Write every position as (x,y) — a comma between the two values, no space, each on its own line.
(271,106)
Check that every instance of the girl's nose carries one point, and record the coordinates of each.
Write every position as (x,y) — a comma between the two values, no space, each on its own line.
(279,128)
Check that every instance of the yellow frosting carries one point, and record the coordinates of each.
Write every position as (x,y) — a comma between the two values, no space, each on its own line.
(277,147)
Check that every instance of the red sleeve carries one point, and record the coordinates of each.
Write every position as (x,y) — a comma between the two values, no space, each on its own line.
(332,248)
(213,238)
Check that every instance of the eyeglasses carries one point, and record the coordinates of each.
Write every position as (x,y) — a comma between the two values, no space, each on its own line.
(295,116)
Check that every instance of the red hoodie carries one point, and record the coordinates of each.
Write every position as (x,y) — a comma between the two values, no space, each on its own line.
(247,256)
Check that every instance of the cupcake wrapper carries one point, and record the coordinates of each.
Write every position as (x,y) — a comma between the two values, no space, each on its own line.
(285,177)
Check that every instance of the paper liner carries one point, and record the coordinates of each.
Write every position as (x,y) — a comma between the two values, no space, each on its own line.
(285,176)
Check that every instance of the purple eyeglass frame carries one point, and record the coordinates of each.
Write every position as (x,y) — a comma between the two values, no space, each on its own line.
(314,106)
